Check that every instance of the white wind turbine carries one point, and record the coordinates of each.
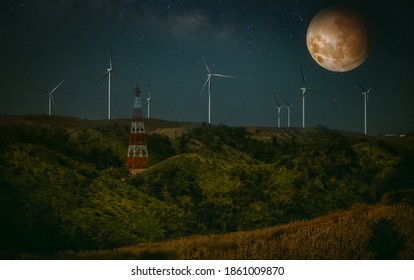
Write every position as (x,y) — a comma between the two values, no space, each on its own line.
(50,94)
(365,93)
(289,110)
(208,81)
(108,73)
(279,108)
(304,89)
(149,99)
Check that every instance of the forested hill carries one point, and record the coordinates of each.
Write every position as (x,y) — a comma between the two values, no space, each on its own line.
(63,185)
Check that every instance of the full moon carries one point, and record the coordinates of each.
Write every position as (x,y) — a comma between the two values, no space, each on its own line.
(338,39)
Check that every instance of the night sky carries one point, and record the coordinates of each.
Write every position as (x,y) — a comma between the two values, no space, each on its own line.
(262,42)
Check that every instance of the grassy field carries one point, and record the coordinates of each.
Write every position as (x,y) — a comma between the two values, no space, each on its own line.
(363,232)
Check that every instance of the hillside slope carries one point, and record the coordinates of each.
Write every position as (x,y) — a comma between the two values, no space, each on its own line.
(363,232)
(63,184)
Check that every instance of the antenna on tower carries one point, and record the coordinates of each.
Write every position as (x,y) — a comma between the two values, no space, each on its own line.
(137,156)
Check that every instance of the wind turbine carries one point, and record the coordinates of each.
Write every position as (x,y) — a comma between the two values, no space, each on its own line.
(365,93)
(149,99)
(208,81)
(108,73)
(279,108)
(50,94)
(304,89)
(289,110)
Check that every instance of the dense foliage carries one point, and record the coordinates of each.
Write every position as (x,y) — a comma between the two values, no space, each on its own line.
(63,184)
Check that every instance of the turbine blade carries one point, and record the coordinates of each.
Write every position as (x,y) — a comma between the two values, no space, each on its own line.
(57,86)
(149,88)
(205,63)
(155,102)
(152,101)
(223,76)
(376,83)
(202,90)
(123,77)
(361,86)
(103,76)
(303,77)
(277,101)
(287,104)
(314,90)
(45,91)
(299,100)
(110,53)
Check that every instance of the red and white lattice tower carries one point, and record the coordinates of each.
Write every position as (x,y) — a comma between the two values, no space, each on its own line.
(137,158)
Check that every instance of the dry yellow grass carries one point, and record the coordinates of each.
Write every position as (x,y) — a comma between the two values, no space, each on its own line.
(341,235)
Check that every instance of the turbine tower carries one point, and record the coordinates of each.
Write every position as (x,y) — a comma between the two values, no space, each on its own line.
(289,110)
(50,94)
(208,81)
(365,93)
(279,108)
(304,89)
(108,73)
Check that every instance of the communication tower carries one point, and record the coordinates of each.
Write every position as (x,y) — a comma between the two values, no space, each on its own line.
(137,157)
